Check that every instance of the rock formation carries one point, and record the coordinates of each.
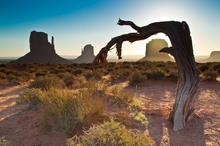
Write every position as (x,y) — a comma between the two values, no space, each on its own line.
(214,57)
(41,51)
(87,55)
(152,51)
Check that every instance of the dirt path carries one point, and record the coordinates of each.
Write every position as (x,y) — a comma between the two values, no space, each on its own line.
(21,127)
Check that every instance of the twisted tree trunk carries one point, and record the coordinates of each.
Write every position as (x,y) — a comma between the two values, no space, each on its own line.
(181,50)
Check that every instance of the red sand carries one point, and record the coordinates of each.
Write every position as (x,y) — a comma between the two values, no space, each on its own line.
(22,127)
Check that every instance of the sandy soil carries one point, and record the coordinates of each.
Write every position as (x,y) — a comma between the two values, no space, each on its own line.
(203,130)
(22,127)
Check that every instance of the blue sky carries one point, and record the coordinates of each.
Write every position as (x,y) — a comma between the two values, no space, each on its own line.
(75,23)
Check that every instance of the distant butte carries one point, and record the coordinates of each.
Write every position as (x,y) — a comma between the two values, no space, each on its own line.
(41,51)
(152,51)
(87,55)
(214,57)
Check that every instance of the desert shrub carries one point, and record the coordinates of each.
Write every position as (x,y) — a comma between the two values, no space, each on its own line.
(216,67)
(8,71)
(3,65)
(59,70)
(120,74)
(4,70)
(76,81)
(125,72)
(68,79)
(119,97)
(40,73)
(136,78)
(4,142)
(77,71)
(95,86)
(3,75)
(64,75)
(88,75)
(123,118)
(27,75)
(110,134)
(70,110)
(126,65)
(135,105)
(173,75)
(140,118)
(203,67)
(4,82)
(156,75)
(109,69)
(29,95)
(159,64)
(47,82)
(210,75)
(114,95)
(11,77)
(96,74)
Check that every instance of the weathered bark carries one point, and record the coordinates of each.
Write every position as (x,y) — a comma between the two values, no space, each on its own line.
(181,50)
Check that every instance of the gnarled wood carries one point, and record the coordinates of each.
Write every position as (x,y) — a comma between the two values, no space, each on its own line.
(181,50)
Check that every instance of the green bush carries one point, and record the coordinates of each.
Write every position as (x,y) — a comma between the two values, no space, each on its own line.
(47,82)
(110,134)
(139,117)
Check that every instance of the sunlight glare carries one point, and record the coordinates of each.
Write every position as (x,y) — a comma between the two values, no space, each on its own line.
(139,47)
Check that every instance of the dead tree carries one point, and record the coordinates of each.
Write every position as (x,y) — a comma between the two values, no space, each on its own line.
(181,50)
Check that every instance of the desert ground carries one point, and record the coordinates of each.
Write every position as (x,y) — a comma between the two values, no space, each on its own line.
(22,127)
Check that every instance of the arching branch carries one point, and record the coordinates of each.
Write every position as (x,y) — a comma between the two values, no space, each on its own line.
(134,26)
(143,33)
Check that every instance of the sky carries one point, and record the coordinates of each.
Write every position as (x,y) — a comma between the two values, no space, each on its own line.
(76,23)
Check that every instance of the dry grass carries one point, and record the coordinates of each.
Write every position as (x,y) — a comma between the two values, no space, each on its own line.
(110,133)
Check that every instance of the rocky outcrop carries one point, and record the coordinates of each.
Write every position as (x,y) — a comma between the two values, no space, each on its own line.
(152,51)
(41,51)
(87,55)
(214,57)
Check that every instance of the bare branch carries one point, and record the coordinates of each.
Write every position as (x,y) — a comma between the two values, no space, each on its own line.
(134,26)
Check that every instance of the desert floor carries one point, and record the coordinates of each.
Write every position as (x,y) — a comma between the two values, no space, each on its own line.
(21,127)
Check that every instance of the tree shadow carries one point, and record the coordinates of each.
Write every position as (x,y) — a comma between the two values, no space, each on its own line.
(202,129)
(160,130)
